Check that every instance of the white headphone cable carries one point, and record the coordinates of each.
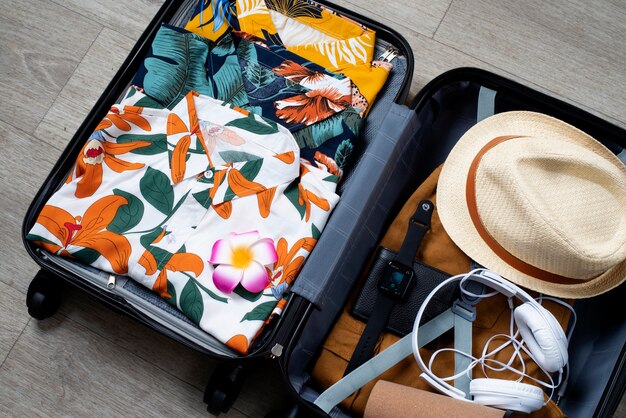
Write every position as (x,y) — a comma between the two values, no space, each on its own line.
(518,346)
(503,366)
(542,297)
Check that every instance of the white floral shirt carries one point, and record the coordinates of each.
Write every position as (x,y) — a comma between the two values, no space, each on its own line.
(208,205)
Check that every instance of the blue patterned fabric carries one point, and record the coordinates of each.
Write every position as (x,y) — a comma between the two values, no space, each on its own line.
(313,103)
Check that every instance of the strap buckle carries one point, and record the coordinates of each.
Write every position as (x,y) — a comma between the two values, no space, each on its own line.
(423,214)
(465,310)
(465,306)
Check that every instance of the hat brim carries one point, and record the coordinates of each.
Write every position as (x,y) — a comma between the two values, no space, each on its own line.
(454,213)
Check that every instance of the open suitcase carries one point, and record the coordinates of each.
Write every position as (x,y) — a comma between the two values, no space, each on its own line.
(402,145)
(444,110)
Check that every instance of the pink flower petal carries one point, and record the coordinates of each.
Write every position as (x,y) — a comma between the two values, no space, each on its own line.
(221,252)
(226,278)
(243,240)
(255,278)
(264,252)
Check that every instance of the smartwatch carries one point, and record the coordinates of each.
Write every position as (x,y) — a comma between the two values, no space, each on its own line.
(394,284)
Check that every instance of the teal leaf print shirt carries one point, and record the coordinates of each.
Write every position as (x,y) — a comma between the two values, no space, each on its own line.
(316,105)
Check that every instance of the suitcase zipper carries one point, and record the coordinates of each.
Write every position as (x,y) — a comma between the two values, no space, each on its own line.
(285,333)
(389,54)
(111,282)
(276,351)
(138,304)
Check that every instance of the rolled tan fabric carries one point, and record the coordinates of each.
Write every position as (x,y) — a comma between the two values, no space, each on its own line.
(391,400)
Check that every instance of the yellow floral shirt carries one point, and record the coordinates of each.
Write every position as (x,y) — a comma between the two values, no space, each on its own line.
(305,28)
(208,206)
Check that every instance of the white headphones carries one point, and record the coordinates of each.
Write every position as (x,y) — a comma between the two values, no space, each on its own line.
(546,345)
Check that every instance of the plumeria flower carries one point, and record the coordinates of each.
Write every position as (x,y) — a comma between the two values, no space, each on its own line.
(241,259)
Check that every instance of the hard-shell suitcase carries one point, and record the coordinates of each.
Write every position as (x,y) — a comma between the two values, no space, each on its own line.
(403,144)
(444,110)
(45,290)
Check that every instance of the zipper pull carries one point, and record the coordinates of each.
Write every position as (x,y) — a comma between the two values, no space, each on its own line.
(276,351)
(111,283)
(389,54)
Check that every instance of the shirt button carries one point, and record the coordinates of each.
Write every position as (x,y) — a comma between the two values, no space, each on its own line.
(208,174)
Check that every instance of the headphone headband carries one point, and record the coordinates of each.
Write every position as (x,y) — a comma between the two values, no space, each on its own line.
(496,282)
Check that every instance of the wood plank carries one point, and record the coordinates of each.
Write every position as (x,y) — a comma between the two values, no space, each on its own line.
(25,163)
(13,319)
(60,368)
(129,17)
(433,58)
(192,367)
(422,16)
(83,89)
(575,49)
(48,375)
(621,408)
(38,55)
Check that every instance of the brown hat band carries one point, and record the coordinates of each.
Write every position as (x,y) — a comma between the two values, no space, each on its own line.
(470,194)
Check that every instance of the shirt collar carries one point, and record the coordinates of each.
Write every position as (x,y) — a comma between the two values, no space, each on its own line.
(244,154)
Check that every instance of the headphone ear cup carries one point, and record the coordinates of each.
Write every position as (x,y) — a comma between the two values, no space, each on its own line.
(543,335)
(507,394)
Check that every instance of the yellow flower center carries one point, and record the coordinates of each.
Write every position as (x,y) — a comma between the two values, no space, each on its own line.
(242,257)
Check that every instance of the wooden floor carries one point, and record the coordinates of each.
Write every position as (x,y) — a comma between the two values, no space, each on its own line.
(56,58)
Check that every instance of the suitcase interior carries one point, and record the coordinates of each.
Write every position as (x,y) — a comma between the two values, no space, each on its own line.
(445,109)
(146,306)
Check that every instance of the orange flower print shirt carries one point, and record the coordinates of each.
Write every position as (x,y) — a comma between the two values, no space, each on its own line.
(154,192)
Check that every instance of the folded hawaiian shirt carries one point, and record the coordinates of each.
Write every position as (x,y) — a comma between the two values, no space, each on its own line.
(208,205)
(305,28)
(313,103)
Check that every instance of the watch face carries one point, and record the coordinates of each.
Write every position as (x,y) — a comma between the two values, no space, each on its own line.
(396,280)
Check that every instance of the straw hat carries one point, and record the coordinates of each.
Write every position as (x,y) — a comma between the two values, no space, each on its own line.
(538,201)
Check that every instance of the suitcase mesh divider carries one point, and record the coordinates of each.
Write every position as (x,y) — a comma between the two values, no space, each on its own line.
(358,219)
(152,298)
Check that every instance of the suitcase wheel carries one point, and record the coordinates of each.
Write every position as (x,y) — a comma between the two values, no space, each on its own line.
(43,298)
(223,388)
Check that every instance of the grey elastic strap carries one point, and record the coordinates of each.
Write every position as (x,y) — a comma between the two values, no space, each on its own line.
(622,156)
(486,103)
(382,362)
(463,343)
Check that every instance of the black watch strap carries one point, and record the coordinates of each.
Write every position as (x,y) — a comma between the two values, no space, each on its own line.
(418,225)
